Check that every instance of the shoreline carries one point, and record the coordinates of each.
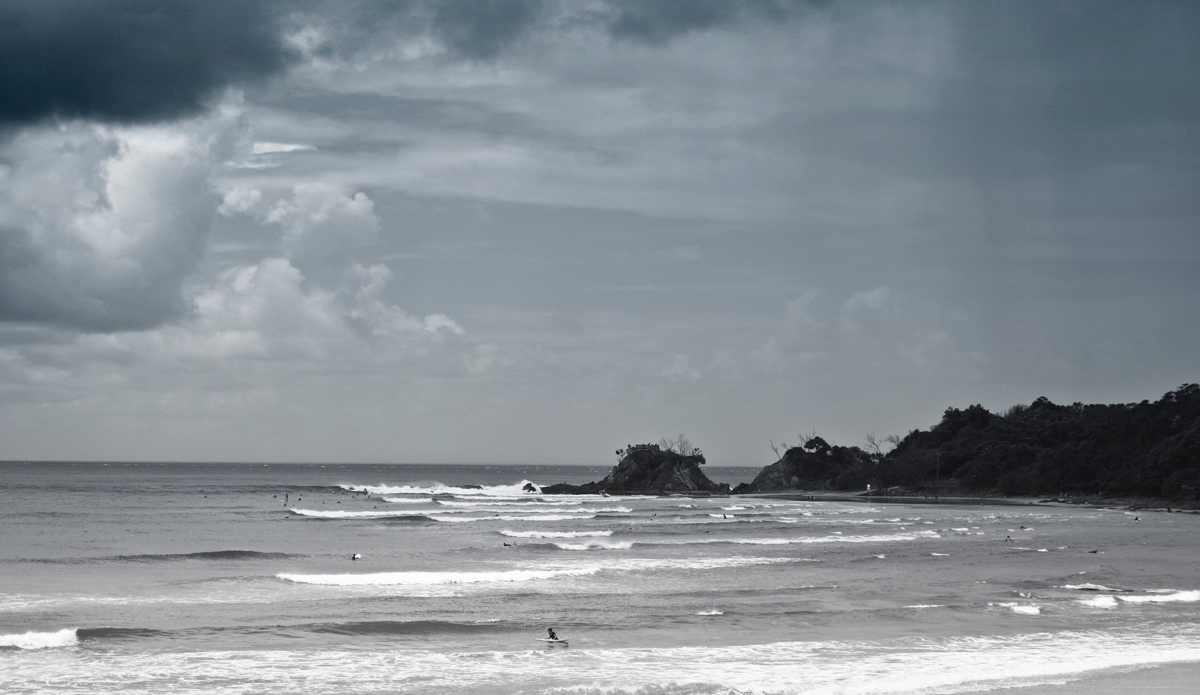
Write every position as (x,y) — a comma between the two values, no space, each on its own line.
(1141,505)
(1177,678)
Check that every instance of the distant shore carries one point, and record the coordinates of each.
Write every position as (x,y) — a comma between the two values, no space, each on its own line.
(1126,503)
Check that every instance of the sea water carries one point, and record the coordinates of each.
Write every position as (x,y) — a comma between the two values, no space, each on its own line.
(191,578)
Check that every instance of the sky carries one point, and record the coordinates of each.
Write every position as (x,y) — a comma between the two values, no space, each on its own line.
(535,231)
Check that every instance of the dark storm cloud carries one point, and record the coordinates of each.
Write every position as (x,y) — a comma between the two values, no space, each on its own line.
(129,60)
(656,21)
(132,61)
(482,28)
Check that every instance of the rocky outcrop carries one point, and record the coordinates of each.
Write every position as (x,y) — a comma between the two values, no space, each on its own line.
(647,469)
(815,465)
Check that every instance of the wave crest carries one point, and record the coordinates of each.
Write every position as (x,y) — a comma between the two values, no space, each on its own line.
(428,578)
(555,534)
(41,640)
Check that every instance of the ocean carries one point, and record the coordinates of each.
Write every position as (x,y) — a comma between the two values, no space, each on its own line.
(240,578)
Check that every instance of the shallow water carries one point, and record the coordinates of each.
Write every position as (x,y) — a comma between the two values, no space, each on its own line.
(240,578)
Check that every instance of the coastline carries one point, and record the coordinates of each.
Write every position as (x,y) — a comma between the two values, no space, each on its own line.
(1141,505)
(1178,678)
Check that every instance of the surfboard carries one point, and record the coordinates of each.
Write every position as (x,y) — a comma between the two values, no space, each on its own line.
(552,641)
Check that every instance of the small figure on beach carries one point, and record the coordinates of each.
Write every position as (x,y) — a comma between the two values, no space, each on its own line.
(1008,539)
(356,556)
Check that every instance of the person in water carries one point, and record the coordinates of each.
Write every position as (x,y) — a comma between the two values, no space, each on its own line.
(552,635)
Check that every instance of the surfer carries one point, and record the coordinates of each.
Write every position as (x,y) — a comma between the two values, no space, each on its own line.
(552,635)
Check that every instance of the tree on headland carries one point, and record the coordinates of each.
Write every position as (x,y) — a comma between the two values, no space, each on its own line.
(680,445)
(671,466)
(1139,449)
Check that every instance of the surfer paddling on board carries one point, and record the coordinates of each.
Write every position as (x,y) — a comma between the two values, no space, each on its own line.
(553,639)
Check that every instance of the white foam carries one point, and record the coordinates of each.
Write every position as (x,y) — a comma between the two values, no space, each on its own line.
(940,554)
(408,500)
(802,540)
(596,545)
(435,488)
(711,611)
(545,571)
(427,578)
(531,503)
(1021,608)
(1087,586)
(1099,602)
(555,534)
(41,640)
(322,514)
(911,666)
(1173,597)
(532,509)
(546,517)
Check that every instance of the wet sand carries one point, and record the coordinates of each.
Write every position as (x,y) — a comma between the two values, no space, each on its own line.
(1171,679)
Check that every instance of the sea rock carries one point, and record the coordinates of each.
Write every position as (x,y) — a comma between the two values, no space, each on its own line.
(647,469)
(815,465)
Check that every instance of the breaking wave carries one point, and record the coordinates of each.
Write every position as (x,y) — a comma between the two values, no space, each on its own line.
(321,514)
(595,545)
(1099,602)
(1165,597)
(552,571)
(555,534)
(885,538)
(40,640)
(428,578)
(545,517)
(436,488)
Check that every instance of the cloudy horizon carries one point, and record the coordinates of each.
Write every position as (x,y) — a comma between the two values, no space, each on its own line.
(535,231)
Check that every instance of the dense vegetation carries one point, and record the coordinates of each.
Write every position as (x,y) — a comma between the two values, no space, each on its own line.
(667,467)
(1139,449)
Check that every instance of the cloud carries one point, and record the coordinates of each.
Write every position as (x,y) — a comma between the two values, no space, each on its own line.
(144,61)
(482,28)
(99,227)
(871,331)
(130,61)
(390,321)
(681,370)
(657,21)
(321,228)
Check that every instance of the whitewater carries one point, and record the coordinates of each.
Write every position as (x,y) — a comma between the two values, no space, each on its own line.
(207,578)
